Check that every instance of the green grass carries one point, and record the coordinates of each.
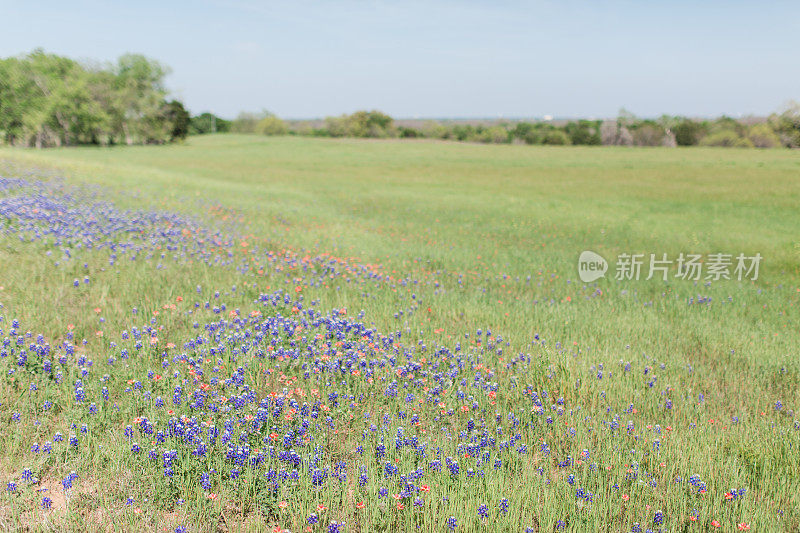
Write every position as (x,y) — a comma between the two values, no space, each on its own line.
(493,234)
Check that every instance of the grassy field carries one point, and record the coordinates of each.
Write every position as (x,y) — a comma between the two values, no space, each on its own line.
(244,333)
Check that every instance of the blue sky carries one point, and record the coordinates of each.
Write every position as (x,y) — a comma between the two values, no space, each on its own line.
(436,58)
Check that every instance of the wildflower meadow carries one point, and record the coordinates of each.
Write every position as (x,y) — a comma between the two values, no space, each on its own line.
(245,333)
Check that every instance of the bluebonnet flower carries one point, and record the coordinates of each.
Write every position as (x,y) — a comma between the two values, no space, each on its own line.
(503,506)
(68,481)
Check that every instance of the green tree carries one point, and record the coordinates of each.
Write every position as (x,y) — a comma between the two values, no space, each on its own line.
(463,132)
(405,132)
(495,135)
(787,125)
(271,125)
(762,136)
(178,119)
(17,96)
(555,137)
(361,124)
(688,132)
(435,130)
(521,130)
(647,133)
(45,100)
(246,122)
(723,138)
(49,100)
(725,123)
(583,132)
(139,95)
(208,123)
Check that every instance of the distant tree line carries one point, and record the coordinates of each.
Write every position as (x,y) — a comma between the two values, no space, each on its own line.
(50,100)
(779,129)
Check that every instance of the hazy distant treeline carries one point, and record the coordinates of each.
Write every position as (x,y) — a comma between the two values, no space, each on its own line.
(50,100)
(780,129)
